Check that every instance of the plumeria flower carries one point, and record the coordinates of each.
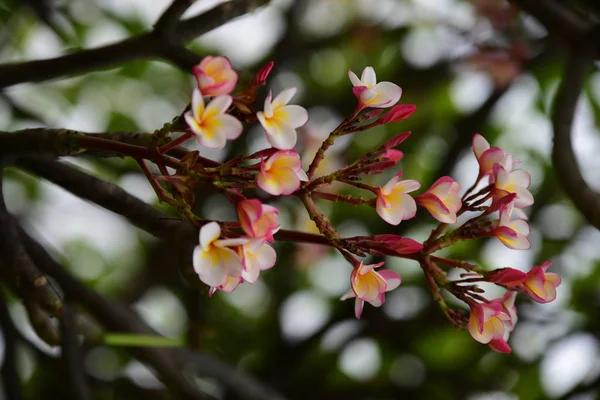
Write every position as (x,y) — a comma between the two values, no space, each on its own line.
(215,260)
(210,124)
(540,285)
(215,76)
(488,324)
(370,285)
(486,156)
(281,173)
(258,220)
(393,203)
(372,94)
(281,120)
(513,234)
(257,256)
(508,307)
(507,181)
(442,200)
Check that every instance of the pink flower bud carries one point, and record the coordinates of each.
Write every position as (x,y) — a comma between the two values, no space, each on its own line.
(261,75)
(398,113)
(215,76)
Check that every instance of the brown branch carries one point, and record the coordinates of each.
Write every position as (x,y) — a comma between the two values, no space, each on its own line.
(146,46)
(109,196)
(73,359)
(66,142)
(557,18)
(565,163)
(18,271)
(10,377)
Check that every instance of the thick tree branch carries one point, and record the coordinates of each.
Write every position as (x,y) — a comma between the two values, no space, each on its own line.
(563,156)
(73,359)
(146,46)
(17,268)
(557,18)
(109,196)
(10,377)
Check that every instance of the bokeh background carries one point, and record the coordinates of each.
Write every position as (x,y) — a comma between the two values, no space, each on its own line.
(469,66)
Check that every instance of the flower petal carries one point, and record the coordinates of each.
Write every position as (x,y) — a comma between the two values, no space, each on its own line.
(209,233)
(283,98)
(354,79)
(368,77)
(197,104)
(296,116)
(281,136)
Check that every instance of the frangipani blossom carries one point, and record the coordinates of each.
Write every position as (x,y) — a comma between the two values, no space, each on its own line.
(487,325)
(281,173)
(507,181)
(210,124)
(258,220)
(508,307)
(257,256)
(215,76)
(281,120)
(372,94)
(393,203)
(442,200)
(540,285)
(215,260)
(513,234)
(370,285)
(486,156)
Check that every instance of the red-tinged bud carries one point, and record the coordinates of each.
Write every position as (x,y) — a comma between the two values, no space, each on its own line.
(392,155)
(261,75)
(398,244)
(379,167)
(396,140)
(508,277)
(398,113)
(387,244)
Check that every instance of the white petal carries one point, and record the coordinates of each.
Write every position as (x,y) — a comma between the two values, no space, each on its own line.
(296,115)
(302,175)
(354,79)
(197,104)
(266,257)
(368,77)
(283,138)
(212,141)
(348,295)
(268,106)
(209,233)
(388,91)
(229,127)
(284,97)
(218,105)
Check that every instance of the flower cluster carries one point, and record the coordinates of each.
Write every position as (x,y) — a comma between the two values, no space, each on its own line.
(232,252)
